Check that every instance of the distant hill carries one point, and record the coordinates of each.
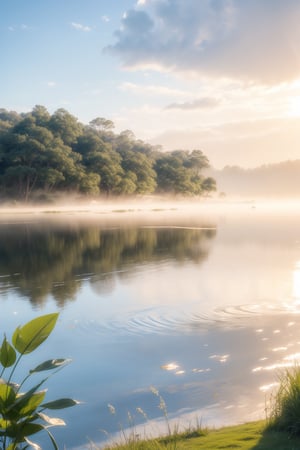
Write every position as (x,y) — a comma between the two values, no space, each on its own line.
(272,180)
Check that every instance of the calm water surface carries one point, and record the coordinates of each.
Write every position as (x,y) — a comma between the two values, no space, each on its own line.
(202,307)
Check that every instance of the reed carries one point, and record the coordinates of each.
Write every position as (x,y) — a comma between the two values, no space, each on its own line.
(132,439)
(285,404)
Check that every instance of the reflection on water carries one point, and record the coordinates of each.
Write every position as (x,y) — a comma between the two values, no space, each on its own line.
(205,311)
(37,261)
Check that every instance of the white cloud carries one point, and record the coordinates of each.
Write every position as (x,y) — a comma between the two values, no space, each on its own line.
(199,103)
(247,144)
(105,18)
(249,125)
(254,40)
(80,27)
(22,27)
(51,84)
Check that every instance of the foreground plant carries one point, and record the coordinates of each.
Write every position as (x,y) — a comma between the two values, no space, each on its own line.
(22,413)
(285,404)
(132,439)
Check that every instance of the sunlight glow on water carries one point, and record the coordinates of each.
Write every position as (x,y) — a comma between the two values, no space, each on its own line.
(206,311)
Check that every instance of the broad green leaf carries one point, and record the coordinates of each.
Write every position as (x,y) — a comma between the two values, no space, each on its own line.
(50,364)
(30,404)
(54,421)
(28,337)
(4,424)
(60,403)
(14,386)
(7,354)
(22,399)
(7,396)
(28,428)
(12,430)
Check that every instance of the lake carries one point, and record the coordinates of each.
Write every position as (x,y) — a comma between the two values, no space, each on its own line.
(199,304)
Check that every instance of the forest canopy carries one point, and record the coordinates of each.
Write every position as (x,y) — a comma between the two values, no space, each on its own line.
(44,153)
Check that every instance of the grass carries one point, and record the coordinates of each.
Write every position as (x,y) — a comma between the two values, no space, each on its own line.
(281,430)
(254,435)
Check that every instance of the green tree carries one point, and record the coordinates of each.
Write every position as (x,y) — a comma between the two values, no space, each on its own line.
(23,155)
(209,185)
(89,183)
(65,126)
(128,183)
(100,158)
(39,151)
(179,172)
(8,119)
(141,166)
(32,157)
(136,159)
(171,174)
(102,124)
(41,115)
(197,161)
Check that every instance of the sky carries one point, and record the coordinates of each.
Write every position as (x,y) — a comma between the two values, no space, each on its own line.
(222,76)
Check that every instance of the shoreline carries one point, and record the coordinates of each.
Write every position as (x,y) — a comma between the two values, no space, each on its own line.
(67,204)
(150,209)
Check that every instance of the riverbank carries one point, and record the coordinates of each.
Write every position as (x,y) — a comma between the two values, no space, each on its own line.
(148,210)
(146,204)
(249,436)
(110,204)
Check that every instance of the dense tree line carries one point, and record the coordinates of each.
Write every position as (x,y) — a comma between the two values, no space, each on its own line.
(40,152)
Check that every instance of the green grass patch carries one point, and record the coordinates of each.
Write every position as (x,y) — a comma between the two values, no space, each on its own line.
(254,435)
(281,430)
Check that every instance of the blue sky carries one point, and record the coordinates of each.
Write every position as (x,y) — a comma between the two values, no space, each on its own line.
(219,75)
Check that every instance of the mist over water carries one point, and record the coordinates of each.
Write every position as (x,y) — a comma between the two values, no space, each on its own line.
(200,300)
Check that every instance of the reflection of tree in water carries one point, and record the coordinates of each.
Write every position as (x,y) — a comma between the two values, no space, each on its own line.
(103,284)
(40,260)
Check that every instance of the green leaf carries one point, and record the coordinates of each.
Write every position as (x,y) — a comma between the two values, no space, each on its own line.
(12,430)
(28,337)
(60,403)
(31,404)
(28,428)
(22,399)
(7,396)
(7,354)
(50,364)
(4,424)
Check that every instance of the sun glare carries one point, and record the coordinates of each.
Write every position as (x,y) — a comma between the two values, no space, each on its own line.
(294,107)
(296,283)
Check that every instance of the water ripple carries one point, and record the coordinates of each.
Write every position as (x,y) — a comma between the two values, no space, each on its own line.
(165,321)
